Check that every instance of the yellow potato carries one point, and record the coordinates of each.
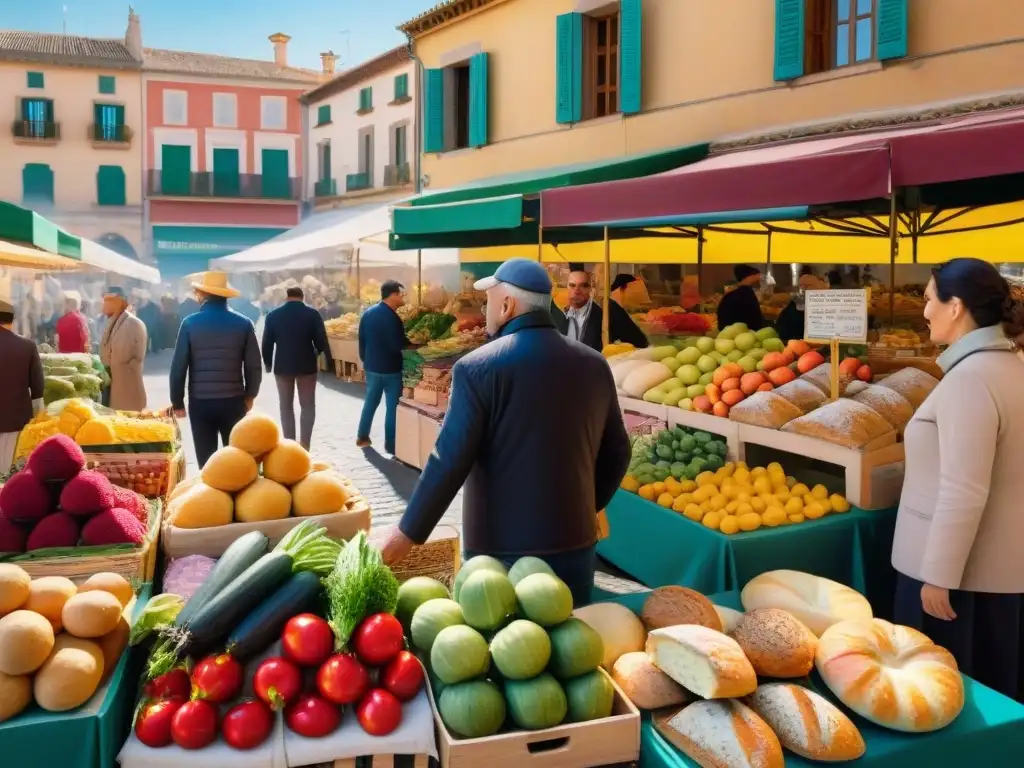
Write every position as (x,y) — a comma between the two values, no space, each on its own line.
(70,675)
(91,614)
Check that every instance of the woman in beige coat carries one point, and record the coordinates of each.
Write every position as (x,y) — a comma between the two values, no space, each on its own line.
(123,351)
(959,543)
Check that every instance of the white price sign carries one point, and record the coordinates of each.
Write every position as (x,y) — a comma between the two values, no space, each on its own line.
(836,316)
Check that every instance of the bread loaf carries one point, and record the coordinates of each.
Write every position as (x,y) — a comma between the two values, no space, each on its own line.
(891,675)
(821,377)
(764,409)
(807,723)
(706,662)
(842,422)
(776,643)
(804,395)
(887,403)
(646,685)
(730,618)
(722,734)
(669,606)
(913,384)
(816,602)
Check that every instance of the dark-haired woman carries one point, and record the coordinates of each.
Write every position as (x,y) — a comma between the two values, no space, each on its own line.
(959,543)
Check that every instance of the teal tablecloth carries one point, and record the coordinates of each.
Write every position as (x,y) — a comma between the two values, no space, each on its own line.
(88,737)
(657,546)
(988,733)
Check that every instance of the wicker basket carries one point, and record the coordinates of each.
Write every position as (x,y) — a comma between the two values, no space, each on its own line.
(439,558)
(152,475)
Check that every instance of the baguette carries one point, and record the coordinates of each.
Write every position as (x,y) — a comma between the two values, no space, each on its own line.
(722,734)
(703,661)
(646,685)
(807,723)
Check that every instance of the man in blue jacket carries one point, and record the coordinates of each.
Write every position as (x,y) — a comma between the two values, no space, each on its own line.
(297,333)
(218,356)
(534,431)
(381,341)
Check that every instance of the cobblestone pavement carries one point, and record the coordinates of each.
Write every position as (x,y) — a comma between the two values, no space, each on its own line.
(386,483)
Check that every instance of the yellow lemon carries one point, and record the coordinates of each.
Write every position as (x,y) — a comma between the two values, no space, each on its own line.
(745,509)
(704,493)
(762,485)
(630,483)
(759,505)
(819,492)
(712,520)
(679,504)
(742,465)
(776,468)
(758,472)
(659,488)
(741,475)
(790,481)
(732,506)
(672,486)
(731,491)
(665,500)
(814,511)
(688,486)
(646,492)
(729,469)
(767,498)
(693,512)
(825,505)
(800,490)
(721,476)
(717,502)
(783,495)
(705,478)
(797,518)
(839,503)
(686,497)
(705,507)
(750,521)
(794,506)
(729,525)
(808,499)
(774,516)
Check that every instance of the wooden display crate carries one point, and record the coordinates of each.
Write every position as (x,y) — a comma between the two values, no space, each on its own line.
(430,426)
(407,436)
(379,761)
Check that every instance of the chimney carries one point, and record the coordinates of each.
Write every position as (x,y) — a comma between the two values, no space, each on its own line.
(328,60)
(280,41)
(133,35)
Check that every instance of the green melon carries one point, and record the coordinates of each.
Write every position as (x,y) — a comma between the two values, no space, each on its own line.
(472,710)
(521,650)
(460,653)
(527,566)
(480,562)
(430,618)
(590,697)
(487,599)
(576,649)
(414,593)
(537,703)
(545,599)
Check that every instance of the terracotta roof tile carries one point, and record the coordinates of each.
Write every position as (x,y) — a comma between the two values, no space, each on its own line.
(446,10)
(207,64)
(16,45)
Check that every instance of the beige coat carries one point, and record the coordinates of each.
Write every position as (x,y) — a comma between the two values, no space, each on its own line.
(123,351)
(961,517)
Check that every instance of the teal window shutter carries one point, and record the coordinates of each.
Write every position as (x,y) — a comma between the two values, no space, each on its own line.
(35,80)
(108,84)
(276,182)
(110,185)
(789,39)
(226,178)
(365,99)
(401,87)
(478,100)
(37,183)
(175,169)
(630,55)
(433,110)
(569,68)
(325,167)
(323,114)
(892,32)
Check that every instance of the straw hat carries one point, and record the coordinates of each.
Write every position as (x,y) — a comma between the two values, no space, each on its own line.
(215,284)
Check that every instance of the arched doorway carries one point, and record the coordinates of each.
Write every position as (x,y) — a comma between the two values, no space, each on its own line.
(118,244)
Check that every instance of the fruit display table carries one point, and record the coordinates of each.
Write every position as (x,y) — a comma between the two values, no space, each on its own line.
(989,731)
(88,737)
(657,547)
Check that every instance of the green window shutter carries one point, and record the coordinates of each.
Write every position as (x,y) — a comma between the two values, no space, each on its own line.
(630,56)
(37,183)
(433,110)
(119,114)
(891,34)
(275,181)
(789,39)
(325,171)
(365,99)
(401,87)
(569,68)
(226,179)
(108,84)
(49,110)
(478,100)
(35,80)
(175,169)
(110,185)
(323,114)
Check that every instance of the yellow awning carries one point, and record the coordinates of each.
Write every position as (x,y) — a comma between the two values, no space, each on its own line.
(13,255)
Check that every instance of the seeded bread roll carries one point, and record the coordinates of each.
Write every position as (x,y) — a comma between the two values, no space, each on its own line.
(722,734)
(668,606)
(776,643)
(807,723)
(703,661)
(646,685)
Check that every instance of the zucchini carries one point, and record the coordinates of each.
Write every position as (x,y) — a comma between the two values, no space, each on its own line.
(262,628)
(215,620)
(243,552)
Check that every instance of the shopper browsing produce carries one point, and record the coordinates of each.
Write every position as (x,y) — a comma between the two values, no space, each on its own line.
(740,304)
(381,341)
(583,319)
(21,386)
(123,352)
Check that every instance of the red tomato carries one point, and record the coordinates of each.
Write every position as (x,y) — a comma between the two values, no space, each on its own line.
(378,639)
(312,716)
(194,725)
(153,726)
(247,725)
(307,640)
(218,678)
(403,677)
(175,684)
(342,679)
(379,712)
(277,682)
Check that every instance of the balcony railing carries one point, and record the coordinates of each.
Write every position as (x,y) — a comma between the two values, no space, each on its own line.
(36,130)
(355,182)
(103,133)
(208,184)
(396,175)
(325,188)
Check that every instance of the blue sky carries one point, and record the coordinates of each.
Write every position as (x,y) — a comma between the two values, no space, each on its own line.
(355,29)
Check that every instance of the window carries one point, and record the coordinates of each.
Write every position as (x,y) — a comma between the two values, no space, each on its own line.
(460,107)
(455,105)
(601,66)
(365,100)
(175,169)
(273,113)
(107,84)
(839,33)
(37,119)
(366,152)
(175,108)
(110,185)
(401,87)
(35,80)
(323,160)
(37,183)
(400,145)
(226,178)
(225,110)
(323,114)
(108,122)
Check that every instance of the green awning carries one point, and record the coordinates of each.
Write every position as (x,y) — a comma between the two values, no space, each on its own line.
(27,227)
(469,216)
(535,181)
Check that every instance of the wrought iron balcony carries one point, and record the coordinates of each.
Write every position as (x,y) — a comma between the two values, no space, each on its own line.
(102,134)
(355,182)
(36,130)
(208,184)
(396,175)
(325,188)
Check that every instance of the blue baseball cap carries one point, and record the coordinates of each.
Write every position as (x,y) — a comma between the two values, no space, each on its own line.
(526,274)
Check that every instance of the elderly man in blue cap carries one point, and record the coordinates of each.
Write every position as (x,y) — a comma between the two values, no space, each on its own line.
(534,432)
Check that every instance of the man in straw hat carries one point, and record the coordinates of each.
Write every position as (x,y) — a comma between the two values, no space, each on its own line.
(123,351)
(218,356)
(21,386)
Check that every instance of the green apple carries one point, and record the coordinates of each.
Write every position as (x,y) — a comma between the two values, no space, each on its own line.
(689,356)
(718,357)
(695,390)
(773,345)
(739,327)
(757,353)
(688,374)
(734,356)
(705,344)
(707,378)
(746,341)
(724,345)
(690,341)
(748,364)
(686,404)
(707,364)
(671,363)
(766,333)
(729,332)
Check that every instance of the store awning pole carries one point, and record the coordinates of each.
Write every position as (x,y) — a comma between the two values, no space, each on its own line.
(700,262)
(894,245)
(419,277)
(540,232)
(605,297)
(359,283)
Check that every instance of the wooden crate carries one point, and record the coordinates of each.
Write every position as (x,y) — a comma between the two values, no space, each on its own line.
(158,473)
(380,761)
(439,557)
(430,426)
(613,740)
(407,436)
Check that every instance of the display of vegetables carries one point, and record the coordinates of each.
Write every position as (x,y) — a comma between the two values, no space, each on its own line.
(677,452)
(72,375)
(359,585)
(344,327)
(457,344)
(428,326)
